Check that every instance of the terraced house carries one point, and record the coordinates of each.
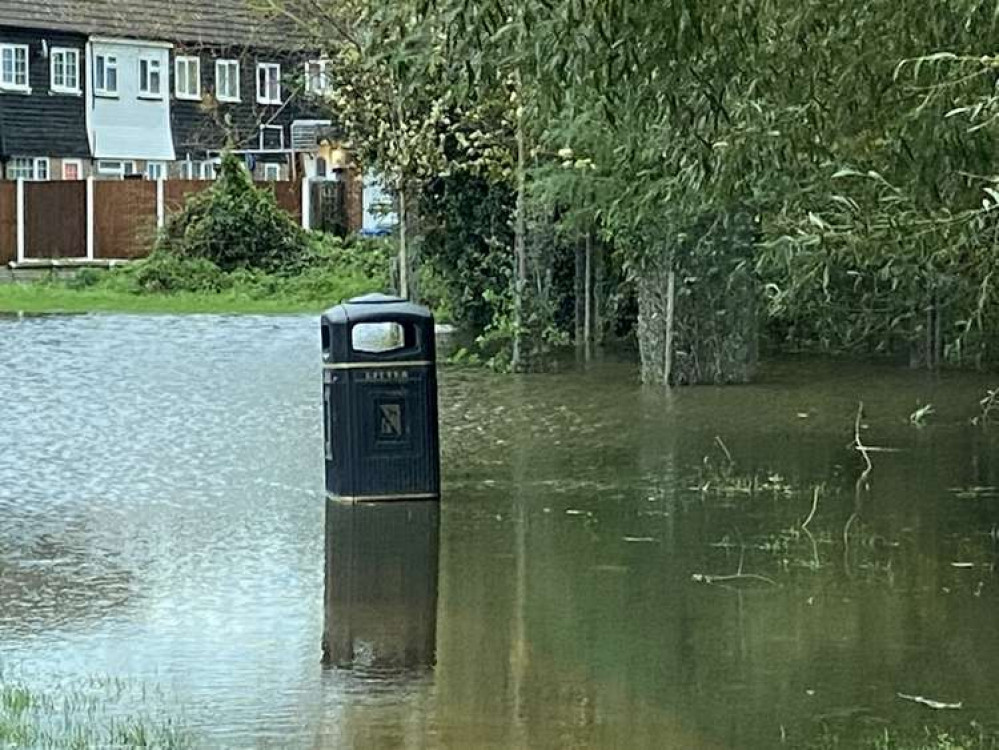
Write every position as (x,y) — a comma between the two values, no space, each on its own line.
(154,88)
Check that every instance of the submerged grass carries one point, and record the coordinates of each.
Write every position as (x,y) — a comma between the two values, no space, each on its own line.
(93,713)
(969,737)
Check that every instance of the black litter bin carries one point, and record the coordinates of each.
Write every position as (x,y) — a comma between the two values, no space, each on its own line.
(380,401)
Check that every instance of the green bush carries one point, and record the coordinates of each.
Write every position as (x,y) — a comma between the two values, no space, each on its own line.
(165,273)
(365,256)
(234,224)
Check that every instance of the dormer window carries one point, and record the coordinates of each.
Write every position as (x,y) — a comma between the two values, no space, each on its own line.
(316,77)
(14,67)
(65,70)
(268,83)
(187,74)
(150,78)
(227,80)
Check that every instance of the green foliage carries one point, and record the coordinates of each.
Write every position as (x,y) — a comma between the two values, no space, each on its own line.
(234,224)
(466,239)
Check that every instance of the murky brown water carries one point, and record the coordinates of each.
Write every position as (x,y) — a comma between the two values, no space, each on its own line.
(161,519)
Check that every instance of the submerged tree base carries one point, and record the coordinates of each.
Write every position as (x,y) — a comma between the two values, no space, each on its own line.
(697,306)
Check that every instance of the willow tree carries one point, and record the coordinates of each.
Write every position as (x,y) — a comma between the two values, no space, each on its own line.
(779,139)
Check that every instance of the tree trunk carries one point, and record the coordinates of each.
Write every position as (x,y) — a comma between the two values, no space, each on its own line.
(403,245)
(588,304)
(598,286)
(578,292)
(520,241)
(670,315)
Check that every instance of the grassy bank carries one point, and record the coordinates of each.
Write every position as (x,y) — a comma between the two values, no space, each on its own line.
(60,297)
(168,283)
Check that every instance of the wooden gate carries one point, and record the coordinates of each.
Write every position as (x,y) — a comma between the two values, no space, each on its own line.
(55,220)
(8,222)
(328,206)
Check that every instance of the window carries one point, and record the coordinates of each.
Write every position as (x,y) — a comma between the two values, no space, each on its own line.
(14,67)
(108,168)
(271,138)
(268,83)
(187,74)
(155,170)
(106,75)
(227,80)
(272,172)
(316,81)
(27,168)
(72,169)
(65,70)
(198,170)
(150,78)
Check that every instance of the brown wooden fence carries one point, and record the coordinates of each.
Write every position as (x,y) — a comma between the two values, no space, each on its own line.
(124,218)
(8,222)
(125,215)
(176,192)
(289,196)
(55,220)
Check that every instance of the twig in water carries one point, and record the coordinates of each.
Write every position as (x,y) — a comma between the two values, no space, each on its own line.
(930,702)
(815,505)
(725,450)
(859,444)
(705,578)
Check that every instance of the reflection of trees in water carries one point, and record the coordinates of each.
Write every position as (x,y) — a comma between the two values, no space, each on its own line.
(54,581)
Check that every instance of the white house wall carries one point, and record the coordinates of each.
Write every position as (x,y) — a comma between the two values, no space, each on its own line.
(379,207)
(128,126)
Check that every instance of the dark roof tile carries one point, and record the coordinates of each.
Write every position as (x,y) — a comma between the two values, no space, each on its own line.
(226,22)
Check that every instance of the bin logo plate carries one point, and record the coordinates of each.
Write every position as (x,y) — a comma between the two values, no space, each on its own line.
(390,420)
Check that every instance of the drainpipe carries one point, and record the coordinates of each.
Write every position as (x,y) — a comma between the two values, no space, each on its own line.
(88,94)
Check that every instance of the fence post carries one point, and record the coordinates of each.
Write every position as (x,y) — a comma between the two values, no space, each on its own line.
(160,204)
(20,220)
(90,217)
(306,204)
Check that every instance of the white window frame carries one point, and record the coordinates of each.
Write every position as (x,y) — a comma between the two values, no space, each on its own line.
(34,166)
(318,84)
(272,172)
(67,54)
(13,85)
(78,163)
(156,166)
(148,66)
(187,169)
(260,137)
(233,67)
(101,83)
(125,167)
(184,62)
(272,75)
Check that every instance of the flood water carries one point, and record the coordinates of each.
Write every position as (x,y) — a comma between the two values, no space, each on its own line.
(608,577)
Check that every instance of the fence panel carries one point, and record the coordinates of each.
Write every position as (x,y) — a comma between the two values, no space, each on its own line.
(289,196)
(55,220)
(176,192)
(8,222)
(124,218)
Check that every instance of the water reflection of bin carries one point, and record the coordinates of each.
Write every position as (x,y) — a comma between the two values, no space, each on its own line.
(381,584)
(380,401)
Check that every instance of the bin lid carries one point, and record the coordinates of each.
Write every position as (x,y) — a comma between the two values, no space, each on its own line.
(375,298)
(377,307)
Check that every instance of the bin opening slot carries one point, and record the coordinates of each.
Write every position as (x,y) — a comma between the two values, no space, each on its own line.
(381,337)
(327,342)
